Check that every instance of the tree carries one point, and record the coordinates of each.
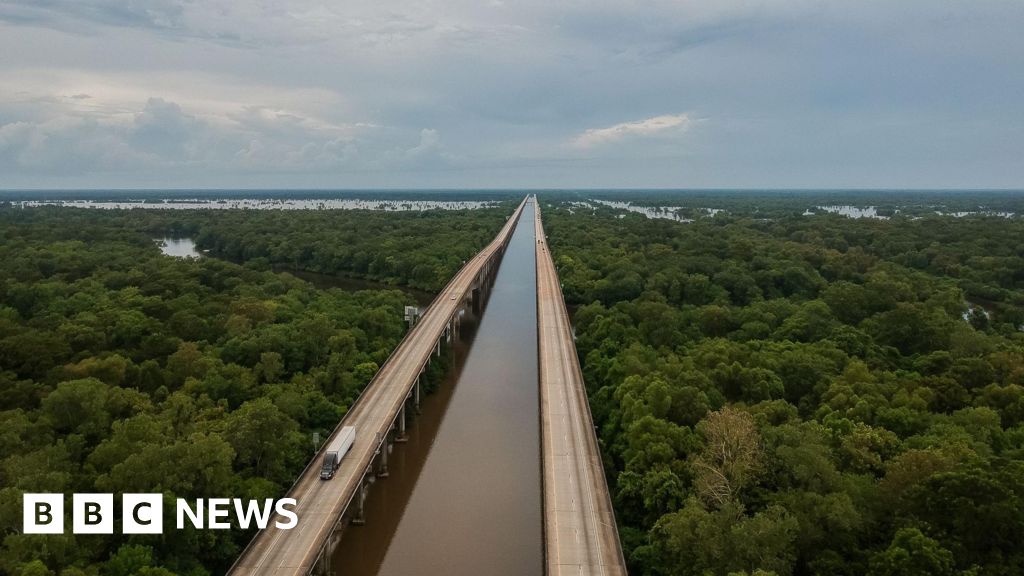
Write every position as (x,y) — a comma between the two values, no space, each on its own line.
(35,568)
(695,541)
(912,554)
(262,436)
(270,367)
(730,459)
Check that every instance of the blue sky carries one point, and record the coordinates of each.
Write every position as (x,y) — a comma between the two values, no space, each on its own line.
(495,93)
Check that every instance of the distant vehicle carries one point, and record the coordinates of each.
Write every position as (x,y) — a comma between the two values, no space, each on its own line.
(336,451)
(453,296)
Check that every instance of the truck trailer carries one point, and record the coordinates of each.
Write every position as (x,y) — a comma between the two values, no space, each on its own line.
(336,451)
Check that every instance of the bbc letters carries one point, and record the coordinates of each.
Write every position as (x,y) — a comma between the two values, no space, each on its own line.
(144,513)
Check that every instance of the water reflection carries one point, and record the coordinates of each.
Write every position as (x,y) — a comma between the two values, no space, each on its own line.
(178,247)
(977,213)
(463,495)
(852,211)
(664,212)
(265,204)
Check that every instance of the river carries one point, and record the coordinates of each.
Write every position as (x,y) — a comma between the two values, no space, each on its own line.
(464,493)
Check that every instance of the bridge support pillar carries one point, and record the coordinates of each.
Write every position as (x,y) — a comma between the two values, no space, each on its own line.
(325,563)
(401,437)
(416,392)
(382,470)
(438,348)
(359,518)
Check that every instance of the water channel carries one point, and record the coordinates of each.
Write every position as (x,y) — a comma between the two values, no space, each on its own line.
(464,494)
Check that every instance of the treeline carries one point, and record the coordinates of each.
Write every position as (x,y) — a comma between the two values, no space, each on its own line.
(776,203)
(420,249)
(805,395)
(123,370)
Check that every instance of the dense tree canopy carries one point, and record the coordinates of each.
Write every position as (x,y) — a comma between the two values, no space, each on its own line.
(804,395)
(419,249)
(775,393)
(123,370)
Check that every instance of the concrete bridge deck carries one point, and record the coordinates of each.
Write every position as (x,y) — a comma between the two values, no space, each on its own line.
(378,412)
(580,534)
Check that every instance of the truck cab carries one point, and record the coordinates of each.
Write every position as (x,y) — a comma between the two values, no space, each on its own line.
(328,468)
(336,450)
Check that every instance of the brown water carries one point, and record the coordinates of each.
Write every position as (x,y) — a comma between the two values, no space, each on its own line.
(464,495)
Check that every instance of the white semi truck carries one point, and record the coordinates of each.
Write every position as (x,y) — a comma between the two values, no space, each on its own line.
(336,451)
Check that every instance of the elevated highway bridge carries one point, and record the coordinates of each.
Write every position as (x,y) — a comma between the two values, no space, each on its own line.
(580,535)
(579,526)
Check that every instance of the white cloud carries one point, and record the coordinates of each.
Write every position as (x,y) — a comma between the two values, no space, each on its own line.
(656,125)
(470,93)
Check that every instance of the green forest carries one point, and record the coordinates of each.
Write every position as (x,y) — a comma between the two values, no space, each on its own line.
(417,249)
(124,370)
(775,393)
(804,395)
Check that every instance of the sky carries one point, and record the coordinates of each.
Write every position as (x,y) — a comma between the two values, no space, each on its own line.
(504,94)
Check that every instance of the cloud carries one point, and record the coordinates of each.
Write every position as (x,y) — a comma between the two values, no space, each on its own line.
(656,125)
(182,93)
(71,142)
(163,137)
(151,13)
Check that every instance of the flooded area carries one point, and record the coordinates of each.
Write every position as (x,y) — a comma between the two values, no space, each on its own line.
(850,211)
(178,247)
(664,212)
(873,212)
(977,213)
(464,495)
(264,204)
(675,213)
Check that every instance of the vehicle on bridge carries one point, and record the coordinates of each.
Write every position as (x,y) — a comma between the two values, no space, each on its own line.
(336,451)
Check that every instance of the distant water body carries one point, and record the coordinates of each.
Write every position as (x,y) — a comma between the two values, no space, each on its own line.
(683,206)
(178,247)
(264,204)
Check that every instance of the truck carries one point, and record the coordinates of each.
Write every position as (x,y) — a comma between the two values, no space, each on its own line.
(336,450)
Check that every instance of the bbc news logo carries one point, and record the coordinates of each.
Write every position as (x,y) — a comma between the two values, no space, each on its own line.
(144,513)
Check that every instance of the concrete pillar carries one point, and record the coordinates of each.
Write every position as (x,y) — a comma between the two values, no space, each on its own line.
(416,393)
(401,437)
(382,470)
(439,347)
(324,565)
(359,517)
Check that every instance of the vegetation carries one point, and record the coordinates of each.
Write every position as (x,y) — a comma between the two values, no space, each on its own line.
(773,204)
(805,395)
(122,370)
(775,393)
(419,249)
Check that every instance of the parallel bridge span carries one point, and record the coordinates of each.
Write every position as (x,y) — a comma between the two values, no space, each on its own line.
(580,534)
(378,415)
